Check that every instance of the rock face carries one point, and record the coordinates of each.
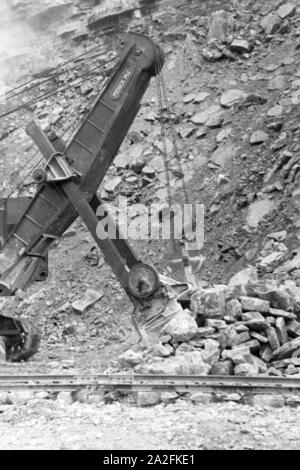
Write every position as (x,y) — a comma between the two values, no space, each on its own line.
(109,8)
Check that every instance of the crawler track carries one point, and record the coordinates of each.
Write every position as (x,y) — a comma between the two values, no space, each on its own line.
(132,383)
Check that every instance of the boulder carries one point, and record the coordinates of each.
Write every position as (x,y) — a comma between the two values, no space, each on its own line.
(281,313)
(238,354)
(200,397)
(90,298)
(221,26)
(258,210)
(272,261)
(239,283)
(266,353)
(224,154)
(257,324)
(232,97)
(240,46)
(271,23)
(293,328)
(277,83)
(222,368)
(263,400)
(286,351)
(130,358)
(144,399)
(205,332)
(273,338)
(281,331)
(254,304)
(210,115)
(246,370)
(182,327)
(290,265)
(286,11)
(187,363)
(258,137)
(211,352)
(209,302)
(234,308)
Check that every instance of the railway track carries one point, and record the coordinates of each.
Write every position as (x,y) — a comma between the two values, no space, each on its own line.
(132,383)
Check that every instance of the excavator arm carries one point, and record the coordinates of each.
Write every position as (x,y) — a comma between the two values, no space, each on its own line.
(67,187)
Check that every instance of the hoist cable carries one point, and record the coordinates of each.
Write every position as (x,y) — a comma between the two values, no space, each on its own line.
(55,71)
(52,93)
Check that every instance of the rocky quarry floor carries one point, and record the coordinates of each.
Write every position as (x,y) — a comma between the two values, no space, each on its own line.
(234,87)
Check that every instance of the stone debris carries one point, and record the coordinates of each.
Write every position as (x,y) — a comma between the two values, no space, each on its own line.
(271,23)
(90,298)
(240,334)
(286,11)
(232,97)
(258,137)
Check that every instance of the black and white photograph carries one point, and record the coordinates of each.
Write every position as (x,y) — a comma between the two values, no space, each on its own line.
(149,228)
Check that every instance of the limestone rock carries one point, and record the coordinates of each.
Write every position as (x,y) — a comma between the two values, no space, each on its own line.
(240,46)
(209,302)
(130,358)
(221,26)
(269,263)
(258,210)
(271,23)
(277,83)
(281,331)
(273,401)
(90,298)
(182,327)
(222,368)
(201,397)
(286,11)
(254,304)
(273,338)
(234,308)
(208,116)
(144,399)
(231,97)
(205,332)
(287,350)
(281,313)
(246,370)
(187,363)
(211,352)
(239,283)
(258,137)
(224,154)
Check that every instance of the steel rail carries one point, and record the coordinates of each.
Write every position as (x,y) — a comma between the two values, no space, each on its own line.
(124,382)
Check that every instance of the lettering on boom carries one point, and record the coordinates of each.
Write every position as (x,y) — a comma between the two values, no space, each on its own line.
(122,84)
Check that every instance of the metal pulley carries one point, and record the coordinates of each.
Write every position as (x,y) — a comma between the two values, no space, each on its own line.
(143,281)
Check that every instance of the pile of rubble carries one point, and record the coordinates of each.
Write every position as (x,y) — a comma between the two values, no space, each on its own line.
(247,327)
